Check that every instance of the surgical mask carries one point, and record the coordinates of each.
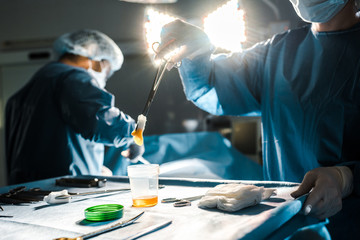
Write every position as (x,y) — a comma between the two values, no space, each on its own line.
(318,10)
(100,77)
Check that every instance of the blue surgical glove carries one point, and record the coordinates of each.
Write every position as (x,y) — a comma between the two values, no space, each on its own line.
(189,39)
(133,152)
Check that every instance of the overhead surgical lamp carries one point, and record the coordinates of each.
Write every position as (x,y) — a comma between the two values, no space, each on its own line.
(153,25)
(150,1)
(226,26)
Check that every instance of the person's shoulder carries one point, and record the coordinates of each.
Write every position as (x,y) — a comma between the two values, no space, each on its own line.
(70,72)
(53,69)
(57,65)
(290,35)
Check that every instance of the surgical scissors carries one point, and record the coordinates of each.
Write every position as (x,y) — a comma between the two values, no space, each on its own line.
(181,202)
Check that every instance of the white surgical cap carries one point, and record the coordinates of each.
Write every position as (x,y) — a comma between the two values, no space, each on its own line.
(92,44)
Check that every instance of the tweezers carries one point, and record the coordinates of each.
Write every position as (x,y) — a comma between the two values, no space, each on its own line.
(70,195)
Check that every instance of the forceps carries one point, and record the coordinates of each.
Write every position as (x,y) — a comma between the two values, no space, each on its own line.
(159,74)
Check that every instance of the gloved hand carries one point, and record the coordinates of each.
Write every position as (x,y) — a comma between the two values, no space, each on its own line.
(133,152)
(105,171)
(191,40)
(329,185)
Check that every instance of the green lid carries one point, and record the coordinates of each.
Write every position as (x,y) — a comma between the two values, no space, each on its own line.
(104,212)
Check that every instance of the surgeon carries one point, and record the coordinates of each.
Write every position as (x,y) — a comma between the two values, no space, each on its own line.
(60,121)
(304,83)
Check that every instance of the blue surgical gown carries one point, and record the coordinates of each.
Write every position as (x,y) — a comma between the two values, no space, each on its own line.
(304,84)
(58,124)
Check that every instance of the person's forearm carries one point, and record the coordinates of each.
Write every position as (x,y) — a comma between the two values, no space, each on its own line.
(196,80)
(356,176)
(347,180)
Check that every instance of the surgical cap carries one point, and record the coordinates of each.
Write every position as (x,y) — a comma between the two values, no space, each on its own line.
(92,44)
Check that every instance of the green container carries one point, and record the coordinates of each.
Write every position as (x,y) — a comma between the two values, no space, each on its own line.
(104,212)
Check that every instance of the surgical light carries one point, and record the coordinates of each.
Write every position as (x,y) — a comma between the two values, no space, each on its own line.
(226,26)
(150,1)
(153,25)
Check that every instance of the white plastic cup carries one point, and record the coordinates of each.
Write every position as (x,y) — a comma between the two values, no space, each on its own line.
(144,184)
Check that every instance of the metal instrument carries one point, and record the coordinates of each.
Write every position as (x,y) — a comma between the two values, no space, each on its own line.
(104,230)
(81,182)
(172,200)
(148,230)
(181,202)
(159,74)
(4,216)
(19,195)
(70,195)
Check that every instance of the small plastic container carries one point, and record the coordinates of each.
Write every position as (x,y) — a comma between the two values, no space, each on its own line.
(104,212)
(144,184)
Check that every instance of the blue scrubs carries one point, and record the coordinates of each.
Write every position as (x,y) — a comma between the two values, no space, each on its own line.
(304,84)
(58,124)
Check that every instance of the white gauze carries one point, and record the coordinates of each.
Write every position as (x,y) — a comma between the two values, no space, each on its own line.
(233,197)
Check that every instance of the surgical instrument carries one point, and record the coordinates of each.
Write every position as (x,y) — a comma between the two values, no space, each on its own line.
(181,202)
(159,74)
(5,216)
(18,195)
(81,182)
(141,121)
(104,230)
(172,200)
(148,230)
(70,195)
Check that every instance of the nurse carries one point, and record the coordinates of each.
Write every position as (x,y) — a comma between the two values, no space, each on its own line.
(304,83)
(60,121)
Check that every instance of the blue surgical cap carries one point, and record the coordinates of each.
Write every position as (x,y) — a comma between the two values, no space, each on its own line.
(92,44)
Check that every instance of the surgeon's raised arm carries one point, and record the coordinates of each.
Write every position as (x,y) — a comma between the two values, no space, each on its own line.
(222,84)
